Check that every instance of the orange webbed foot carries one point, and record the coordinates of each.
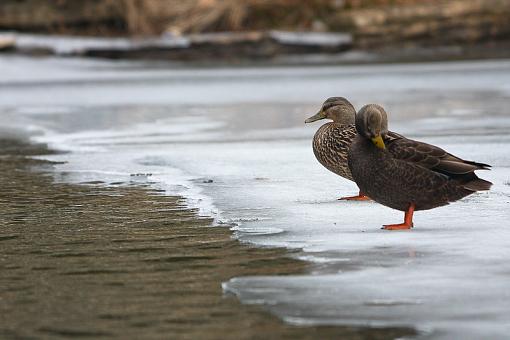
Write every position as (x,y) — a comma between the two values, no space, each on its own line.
(408,220)
(400,226)
(359,197)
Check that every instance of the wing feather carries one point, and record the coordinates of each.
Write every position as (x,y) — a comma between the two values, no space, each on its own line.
(430,156)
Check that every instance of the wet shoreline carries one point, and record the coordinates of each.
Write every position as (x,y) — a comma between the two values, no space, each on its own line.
(96,261)
(231,49)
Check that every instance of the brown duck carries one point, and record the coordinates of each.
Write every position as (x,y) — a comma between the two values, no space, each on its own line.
(405,174)
(332,140)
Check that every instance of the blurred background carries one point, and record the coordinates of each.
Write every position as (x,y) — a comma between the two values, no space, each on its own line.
(393,29)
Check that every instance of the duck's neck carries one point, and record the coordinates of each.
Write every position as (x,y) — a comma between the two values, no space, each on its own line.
(343,123)
(345,119)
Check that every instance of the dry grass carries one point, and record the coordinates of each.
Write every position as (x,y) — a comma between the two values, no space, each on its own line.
(193,16)
(150,17)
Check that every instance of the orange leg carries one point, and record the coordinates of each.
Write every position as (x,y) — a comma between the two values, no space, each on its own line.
(408,220)
(360,197)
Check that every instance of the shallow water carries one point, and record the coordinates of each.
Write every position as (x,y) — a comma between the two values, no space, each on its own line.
(233,143)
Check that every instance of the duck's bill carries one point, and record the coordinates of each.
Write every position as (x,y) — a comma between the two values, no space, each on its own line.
(318,116)
(378,141)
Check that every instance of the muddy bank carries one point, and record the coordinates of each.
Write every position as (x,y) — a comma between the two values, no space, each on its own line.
(95,261)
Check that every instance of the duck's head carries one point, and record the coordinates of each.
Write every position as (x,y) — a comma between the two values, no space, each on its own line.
(338,109)
(372,123)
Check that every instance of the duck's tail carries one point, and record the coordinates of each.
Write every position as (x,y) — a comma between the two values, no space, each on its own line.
(477,184)
(479,166)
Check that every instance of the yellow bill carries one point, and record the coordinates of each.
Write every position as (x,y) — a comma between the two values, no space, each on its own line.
(378,141)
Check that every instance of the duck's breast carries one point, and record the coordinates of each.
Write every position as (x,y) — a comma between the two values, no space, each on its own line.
(331,145)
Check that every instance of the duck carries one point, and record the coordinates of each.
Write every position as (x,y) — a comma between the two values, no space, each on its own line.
(405,174)
(332,140)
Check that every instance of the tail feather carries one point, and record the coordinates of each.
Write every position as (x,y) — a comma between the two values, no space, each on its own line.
(478,184)
(480,166)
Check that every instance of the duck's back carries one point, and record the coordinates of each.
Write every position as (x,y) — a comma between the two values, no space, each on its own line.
(331,145)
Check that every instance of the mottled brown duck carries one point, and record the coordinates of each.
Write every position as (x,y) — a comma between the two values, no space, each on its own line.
(332,140)
(405,174)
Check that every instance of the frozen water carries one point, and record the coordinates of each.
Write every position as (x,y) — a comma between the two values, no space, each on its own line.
(233,142)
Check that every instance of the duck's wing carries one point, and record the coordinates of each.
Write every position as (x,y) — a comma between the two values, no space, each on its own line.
(430,156)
